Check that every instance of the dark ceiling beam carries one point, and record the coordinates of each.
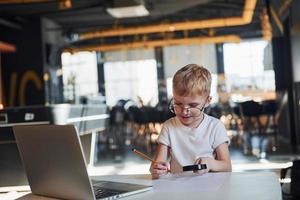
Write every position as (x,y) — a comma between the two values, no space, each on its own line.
(246,18)
(23,1)
(49,8)
(159,11)
(226,5)
(89,8)
(10,24)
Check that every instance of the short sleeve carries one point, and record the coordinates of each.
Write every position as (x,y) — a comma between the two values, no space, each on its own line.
(164,137)
(219,135)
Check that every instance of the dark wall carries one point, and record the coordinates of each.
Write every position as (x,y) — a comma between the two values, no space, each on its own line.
(286,51)
(31,74)
(284,79)
(22,71)
(295,52)
(280,58)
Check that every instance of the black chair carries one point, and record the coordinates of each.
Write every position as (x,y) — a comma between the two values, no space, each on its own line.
(116,135)
(215,110)
(140,125)
(254,142)
(146,122)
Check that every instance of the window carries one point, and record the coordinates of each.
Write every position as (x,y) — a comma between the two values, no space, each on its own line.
(244,67)
(130,80)
(79,75)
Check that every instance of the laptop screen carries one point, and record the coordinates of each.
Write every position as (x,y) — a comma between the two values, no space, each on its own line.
(54,162)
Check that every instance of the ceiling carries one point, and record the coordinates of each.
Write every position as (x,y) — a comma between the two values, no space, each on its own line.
(91,15)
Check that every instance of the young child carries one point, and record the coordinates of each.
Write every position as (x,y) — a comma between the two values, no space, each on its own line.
(191,137)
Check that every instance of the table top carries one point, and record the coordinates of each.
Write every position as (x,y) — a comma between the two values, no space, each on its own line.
(226,186)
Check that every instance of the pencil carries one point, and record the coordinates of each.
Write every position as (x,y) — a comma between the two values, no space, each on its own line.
(142,155)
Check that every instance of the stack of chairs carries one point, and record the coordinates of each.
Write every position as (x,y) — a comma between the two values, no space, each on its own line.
(229,114)
(116,133)
(146,122)
(258,126)
(140,127)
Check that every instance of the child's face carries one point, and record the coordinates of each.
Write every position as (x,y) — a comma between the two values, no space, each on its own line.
(189,110)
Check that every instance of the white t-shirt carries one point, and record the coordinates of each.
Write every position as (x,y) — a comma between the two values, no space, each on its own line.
(188,144)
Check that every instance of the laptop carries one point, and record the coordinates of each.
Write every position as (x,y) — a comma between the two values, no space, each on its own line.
(55,165)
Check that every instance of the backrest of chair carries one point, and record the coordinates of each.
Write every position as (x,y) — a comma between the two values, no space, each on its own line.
(250,109)
(269,107)
(138,115)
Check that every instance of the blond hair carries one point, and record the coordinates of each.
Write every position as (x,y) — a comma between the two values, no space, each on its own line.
(192,80)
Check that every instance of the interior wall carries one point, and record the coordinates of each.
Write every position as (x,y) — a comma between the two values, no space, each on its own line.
(22,71)
(176,57)
(31,75)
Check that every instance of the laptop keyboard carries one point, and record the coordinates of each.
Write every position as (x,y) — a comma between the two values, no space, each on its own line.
(104,192)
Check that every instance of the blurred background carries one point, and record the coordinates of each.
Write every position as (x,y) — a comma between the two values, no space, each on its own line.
(106,67)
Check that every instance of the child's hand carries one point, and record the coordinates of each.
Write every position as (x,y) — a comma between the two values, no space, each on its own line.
(159,168)
(206,160)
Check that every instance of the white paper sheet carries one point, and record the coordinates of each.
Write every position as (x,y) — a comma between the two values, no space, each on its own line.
(185,182)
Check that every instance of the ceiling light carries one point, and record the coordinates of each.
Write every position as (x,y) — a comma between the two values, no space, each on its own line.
(129,8)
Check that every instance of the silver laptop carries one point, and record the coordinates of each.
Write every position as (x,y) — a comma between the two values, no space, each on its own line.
(55,165)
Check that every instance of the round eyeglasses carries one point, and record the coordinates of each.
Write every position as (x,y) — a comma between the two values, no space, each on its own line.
(193,111)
